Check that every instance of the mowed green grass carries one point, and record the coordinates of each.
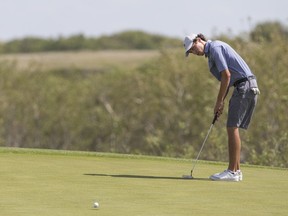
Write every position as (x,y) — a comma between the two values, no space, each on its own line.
(45,182)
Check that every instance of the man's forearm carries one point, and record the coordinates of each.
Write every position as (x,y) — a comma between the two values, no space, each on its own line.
(224,86)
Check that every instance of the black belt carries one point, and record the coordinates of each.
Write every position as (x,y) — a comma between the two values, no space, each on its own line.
(237,82)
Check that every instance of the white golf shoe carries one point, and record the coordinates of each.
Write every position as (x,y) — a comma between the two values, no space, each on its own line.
(227,175)
(240,174)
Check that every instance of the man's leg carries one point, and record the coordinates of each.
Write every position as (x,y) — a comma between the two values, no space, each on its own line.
(234,146)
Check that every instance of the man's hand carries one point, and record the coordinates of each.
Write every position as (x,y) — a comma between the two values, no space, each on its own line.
(218,109)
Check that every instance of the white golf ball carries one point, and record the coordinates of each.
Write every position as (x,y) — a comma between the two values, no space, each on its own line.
(96,205)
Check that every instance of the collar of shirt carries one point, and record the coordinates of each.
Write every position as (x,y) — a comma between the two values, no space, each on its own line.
(207,48)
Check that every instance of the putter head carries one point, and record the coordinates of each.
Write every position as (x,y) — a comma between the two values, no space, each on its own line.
(187,177)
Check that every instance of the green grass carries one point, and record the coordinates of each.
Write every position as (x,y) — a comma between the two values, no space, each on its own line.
(47,182)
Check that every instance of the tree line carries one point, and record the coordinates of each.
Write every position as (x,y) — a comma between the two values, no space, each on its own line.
(122,40)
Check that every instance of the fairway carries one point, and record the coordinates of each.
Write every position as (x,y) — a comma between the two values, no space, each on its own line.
(66,183)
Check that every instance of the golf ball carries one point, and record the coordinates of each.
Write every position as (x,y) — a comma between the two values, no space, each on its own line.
(96,205)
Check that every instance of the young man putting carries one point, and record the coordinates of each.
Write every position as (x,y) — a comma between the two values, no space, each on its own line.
(228,67)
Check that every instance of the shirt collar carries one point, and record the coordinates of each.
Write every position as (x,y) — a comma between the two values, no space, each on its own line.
(207,48)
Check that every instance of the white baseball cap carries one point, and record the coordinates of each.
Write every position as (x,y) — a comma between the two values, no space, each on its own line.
(188,42)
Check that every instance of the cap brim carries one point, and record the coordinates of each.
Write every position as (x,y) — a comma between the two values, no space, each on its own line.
(188,43)
(188,48)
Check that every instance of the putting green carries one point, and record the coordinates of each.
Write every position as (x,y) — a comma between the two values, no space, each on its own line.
(45,182)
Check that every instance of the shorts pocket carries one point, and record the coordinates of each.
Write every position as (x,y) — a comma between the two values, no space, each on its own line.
(241,88)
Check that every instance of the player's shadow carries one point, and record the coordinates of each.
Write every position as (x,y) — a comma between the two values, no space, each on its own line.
(145,177)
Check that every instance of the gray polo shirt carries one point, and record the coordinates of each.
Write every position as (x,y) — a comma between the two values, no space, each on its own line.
(221,57)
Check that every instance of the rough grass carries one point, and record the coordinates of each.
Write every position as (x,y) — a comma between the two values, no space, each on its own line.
(87,60)
(45,182)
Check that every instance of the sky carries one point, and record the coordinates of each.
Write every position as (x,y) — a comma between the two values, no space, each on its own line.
(175,18)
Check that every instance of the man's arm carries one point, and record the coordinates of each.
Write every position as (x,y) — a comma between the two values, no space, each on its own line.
(224,85)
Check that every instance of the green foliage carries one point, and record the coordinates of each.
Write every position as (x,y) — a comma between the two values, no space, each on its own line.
(123,40)
(269,31)
(164,107)
(269,131)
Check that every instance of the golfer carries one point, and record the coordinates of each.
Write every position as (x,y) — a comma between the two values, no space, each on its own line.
(227,66)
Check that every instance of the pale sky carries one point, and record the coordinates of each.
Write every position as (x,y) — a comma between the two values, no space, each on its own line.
(176,18)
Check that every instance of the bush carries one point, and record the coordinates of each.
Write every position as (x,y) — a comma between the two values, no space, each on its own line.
(123,40)
(164,107)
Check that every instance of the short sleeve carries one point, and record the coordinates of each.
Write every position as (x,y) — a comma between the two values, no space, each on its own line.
(219,58)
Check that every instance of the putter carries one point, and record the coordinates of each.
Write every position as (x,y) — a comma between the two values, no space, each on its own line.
(196,160)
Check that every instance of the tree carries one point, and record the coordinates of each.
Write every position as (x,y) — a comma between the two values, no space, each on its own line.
(268,31)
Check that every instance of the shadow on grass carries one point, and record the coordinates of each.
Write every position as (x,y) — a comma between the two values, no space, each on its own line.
(146,177)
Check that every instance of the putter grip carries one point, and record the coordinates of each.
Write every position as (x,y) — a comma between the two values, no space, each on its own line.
(215,118)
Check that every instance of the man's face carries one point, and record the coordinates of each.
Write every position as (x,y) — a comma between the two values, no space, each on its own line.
(197,47)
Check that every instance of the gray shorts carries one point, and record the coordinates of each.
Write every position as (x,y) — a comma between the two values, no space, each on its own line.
(242,104)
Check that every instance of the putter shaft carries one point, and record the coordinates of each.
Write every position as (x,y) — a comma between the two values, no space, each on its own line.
(196,160)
